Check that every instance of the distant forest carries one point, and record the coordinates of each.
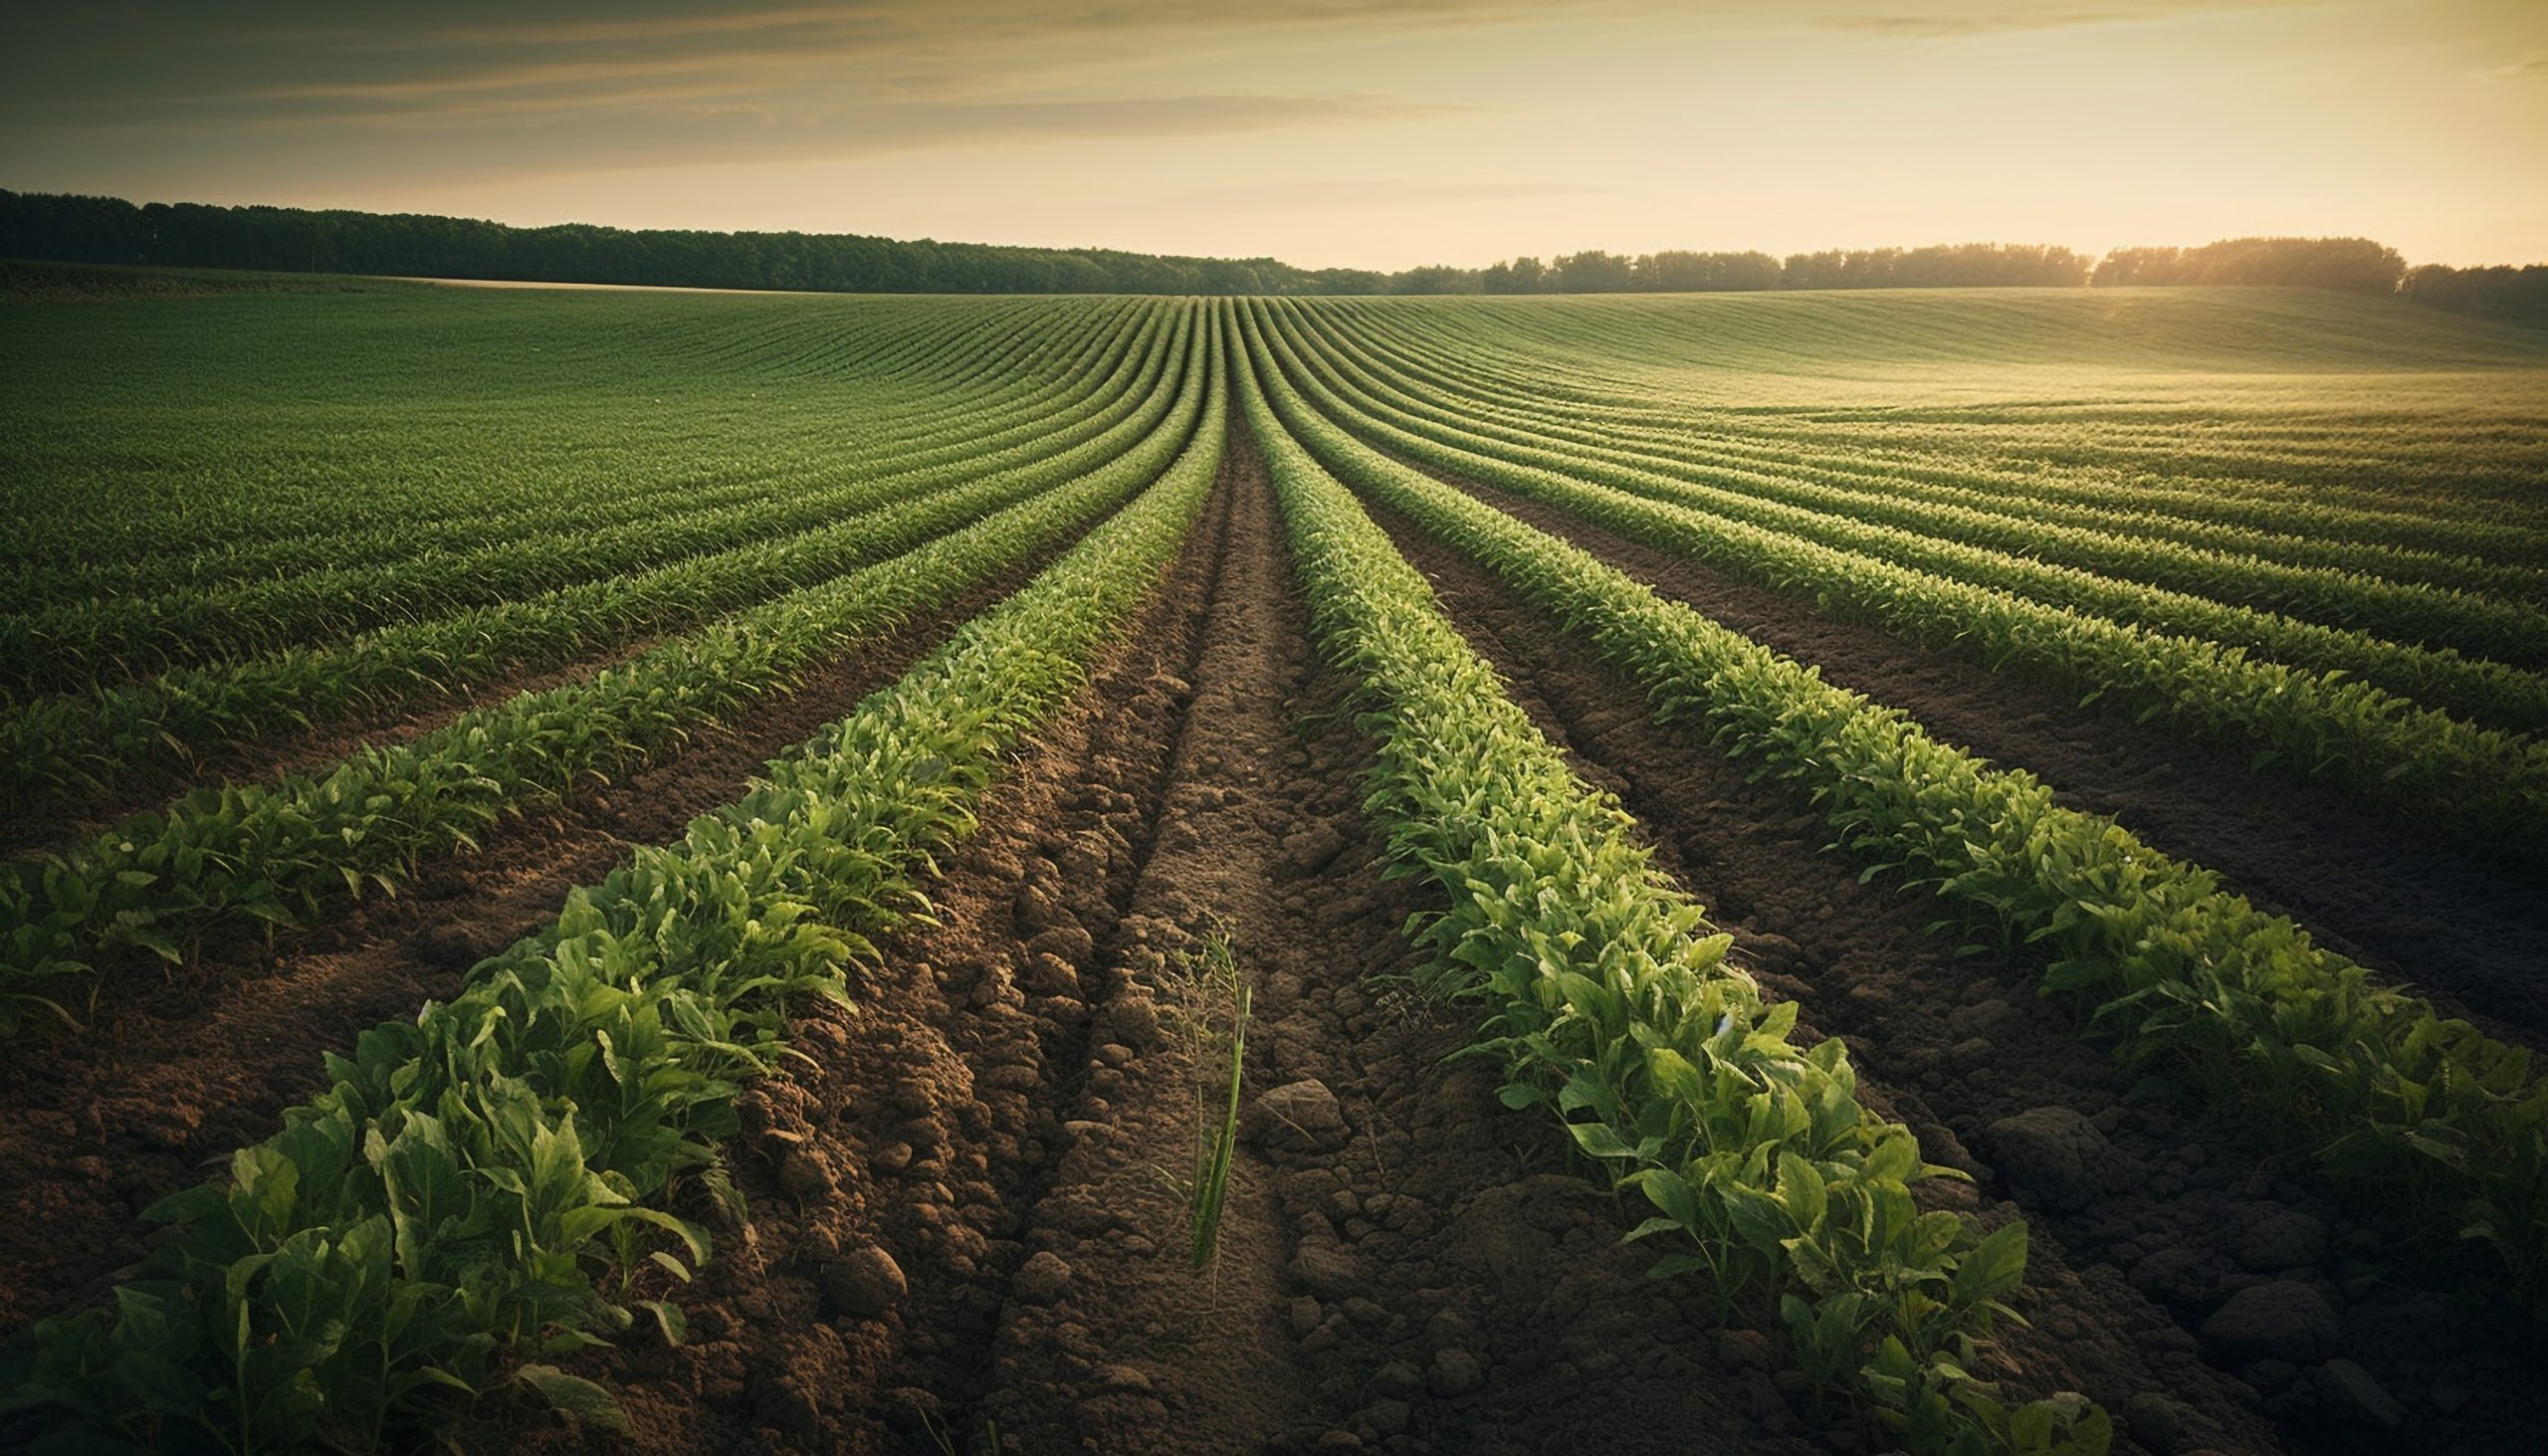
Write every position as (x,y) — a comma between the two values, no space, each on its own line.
(69,229)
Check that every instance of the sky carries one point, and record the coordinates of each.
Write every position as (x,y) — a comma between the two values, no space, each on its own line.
(1383,133)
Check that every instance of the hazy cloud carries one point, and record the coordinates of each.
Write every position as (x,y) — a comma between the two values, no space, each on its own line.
(1953,27)
(443,91)
(643,82)
(1948,21)
(2533,67)
(87,57)
(1358,191)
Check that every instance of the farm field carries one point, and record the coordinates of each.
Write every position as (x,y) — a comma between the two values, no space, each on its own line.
(1955,871)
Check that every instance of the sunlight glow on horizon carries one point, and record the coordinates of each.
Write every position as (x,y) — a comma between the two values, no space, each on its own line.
(1377,135)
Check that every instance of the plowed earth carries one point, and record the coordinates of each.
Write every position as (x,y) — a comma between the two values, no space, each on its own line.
(2465,931)
(2147,1219)
(173,1073)
(958,1233)
(959,1229)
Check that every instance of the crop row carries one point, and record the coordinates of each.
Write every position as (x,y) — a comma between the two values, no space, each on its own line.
(1611,1006)
(156,437)
(495,1184)
(574,497)
(2156,546)
(2478,785)
(2412,1109)
(239,856)
(2019,562)
(1958,448)
(71,743)
(73,642)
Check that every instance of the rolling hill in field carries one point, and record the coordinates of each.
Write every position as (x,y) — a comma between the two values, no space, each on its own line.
(1759,872)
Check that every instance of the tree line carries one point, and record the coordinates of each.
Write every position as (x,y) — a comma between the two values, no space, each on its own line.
(71,229)
(2515,294)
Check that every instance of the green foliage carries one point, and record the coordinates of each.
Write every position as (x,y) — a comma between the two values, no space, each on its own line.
(277,855)
(1975,455)
(2230,594)
(486,1188)
(2481,785)
(1610,1003)
(1212,1010)
(2409,1107)
(175,612)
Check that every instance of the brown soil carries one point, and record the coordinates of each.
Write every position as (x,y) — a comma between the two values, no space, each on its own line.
(1415,1272)
(2465,931)
(78,817)
(173,1073)
(2145,1220)
(957,1237)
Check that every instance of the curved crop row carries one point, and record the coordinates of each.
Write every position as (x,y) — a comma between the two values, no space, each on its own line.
(236,855)
(2425,522)
(69,514)
(2420,1111)
(482,1187)
(2489,692)
(1612,1007)
(71,643)
(67,745)
(1056,363)
(2482,786)
(2161,549)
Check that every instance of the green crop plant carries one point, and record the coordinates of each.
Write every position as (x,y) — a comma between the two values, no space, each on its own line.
(2479,785)
(75,643)
(1610,1005)
(2101,574)
(2366,584)
(1214,1004)
(368,478)
(2337,425)
(2407,1106)
(59,746)
(460,1206)
(264,856)
(1671,426)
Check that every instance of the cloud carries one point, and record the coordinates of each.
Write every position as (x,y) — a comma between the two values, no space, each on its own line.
(2533,67)
(1949,21)
(1358,191)
(582,86)
(1956,27)
(197,58)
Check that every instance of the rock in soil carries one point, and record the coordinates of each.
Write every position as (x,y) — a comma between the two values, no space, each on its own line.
(2283,1239)
(2280,1321)
(1301,1117)
(864,1283)
(1043,1279)
(2055,1156)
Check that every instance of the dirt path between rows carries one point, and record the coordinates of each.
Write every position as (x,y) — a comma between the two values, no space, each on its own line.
(76,818)
(958,1239)
(2465,931)
(174,1072)
(2194,1288)
(1410,1250)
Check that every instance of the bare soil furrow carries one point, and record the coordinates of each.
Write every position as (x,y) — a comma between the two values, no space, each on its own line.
(1405,1264)
(2464,931)
(958,1227)
(890,1170)
(2197,1287)
(172,1075)
(311,751)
